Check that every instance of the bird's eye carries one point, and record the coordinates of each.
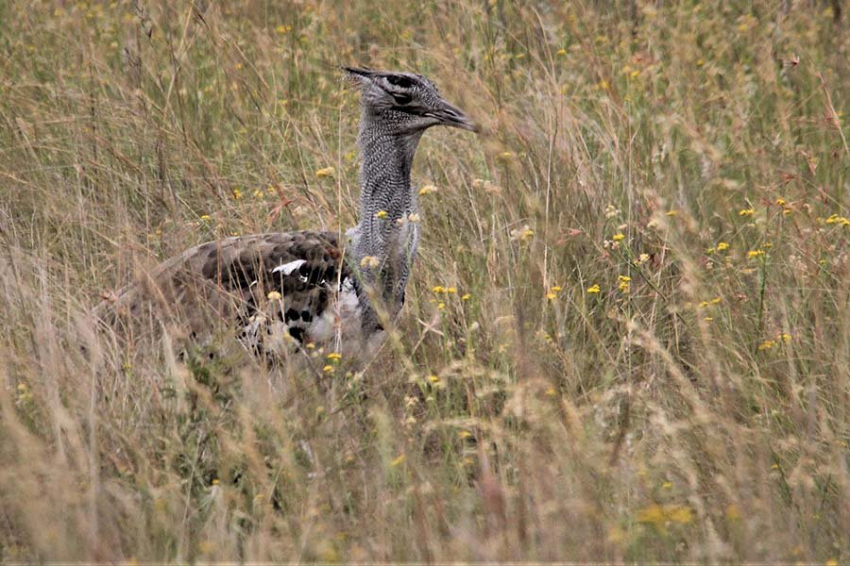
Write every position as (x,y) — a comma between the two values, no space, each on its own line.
(400,81)
(401,98)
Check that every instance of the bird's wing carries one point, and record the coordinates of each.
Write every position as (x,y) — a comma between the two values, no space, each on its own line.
(233,278)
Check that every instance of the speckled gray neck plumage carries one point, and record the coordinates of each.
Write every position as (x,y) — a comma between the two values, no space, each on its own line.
(387,158)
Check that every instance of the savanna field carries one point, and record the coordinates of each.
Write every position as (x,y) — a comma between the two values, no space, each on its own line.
(625,337)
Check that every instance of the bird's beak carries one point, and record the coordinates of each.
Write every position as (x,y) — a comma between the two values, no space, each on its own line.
(451,115)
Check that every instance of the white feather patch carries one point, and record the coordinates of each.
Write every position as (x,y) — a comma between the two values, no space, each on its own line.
(288,268)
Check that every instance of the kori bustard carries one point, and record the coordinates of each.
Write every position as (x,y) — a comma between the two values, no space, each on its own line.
(297,288)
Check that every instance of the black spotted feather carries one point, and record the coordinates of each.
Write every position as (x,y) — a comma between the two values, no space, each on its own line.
(234,279)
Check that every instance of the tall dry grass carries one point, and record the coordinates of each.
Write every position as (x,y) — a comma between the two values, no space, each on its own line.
(626,337)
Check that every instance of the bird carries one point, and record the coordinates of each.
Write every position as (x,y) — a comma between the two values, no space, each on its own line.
(289,290)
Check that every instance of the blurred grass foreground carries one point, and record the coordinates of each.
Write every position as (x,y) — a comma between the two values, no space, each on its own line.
(626,336)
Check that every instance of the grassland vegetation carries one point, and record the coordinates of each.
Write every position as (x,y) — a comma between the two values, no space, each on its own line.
(625,338)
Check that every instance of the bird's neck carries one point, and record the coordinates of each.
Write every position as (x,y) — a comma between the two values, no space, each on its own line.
(385,240)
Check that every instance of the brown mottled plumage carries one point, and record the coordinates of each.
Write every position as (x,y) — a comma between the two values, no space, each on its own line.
(232,279)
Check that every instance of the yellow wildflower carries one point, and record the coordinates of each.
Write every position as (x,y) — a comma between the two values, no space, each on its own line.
(562,52)
(441,306)
(733,513)
(334,357)
(618,237)
(205,217)
(593,289)
(672,212)
(466,297)
(755,253)
(274,296)
(328,369)
(781,201)
(505,155)
(381,214)
(434,379)
(326,172)
(556,289)
(722,246)
(451,290)
(282,29)
(551,296)
(439,289)
(427,190)
(835,219)
(660,515)
(746,212)
(784,336)
(642,258)
(237,194)
(766,345)
(523,235)
(370,261)
(464,434)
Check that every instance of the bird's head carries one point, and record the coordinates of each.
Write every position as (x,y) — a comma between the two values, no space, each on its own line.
(408,103)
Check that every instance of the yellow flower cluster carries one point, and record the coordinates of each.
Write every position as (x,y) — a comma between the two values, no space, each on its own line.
(624,283)
(325,172)
(720,247)
(835,219)
(661,515)
(641,259)
(440,290)
(593,289)
(523,235)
